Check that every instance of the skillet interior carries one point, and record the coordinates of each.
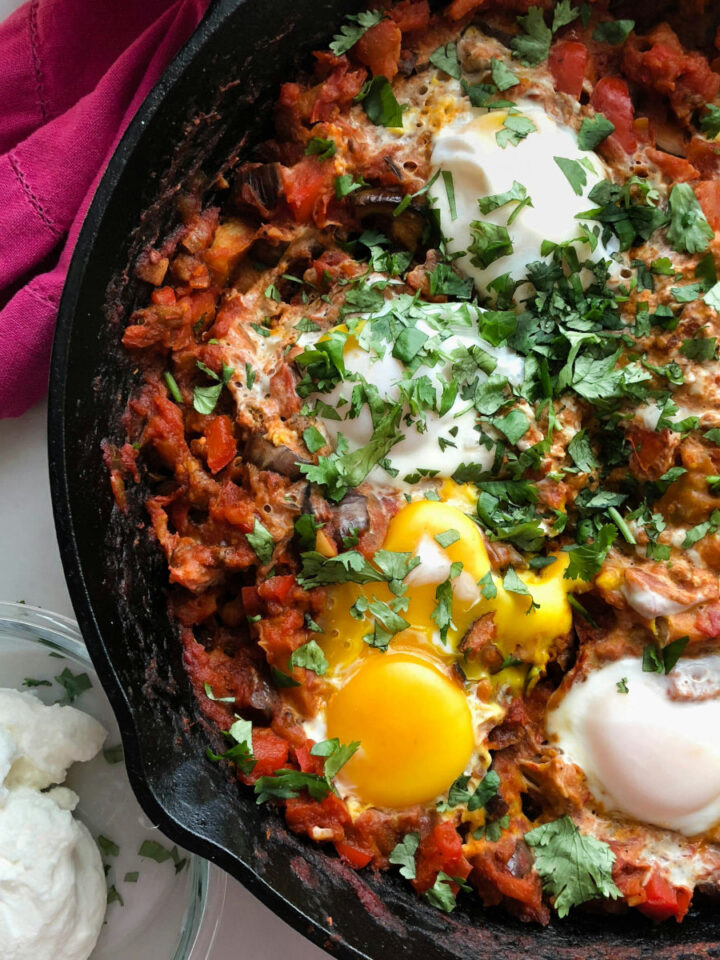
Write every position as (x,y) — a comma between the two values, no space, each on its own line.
(213,103)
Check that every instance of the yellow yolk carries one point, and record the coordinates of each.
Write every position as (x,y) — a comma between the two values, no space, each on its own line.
(414,727)
(523,633)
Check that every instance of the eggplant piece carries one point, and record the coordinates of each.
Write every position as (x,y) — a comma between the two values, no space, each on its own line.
(380,203)
(350,515)
(257,186)
(266,456)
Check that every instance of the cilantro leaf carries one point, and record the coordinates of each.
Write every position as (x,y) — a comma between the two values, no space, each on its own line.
(586,559)
(712,297)
(575,173)
(346,184)
(514,425)
(593,131)
(663,660)
(336,755)
(689,231)
(564,14)
(447,537)
(241,753)
(446,59)
(286,784)
(311,657)
(73,684)
(515,128)
(700,349)
(379,103)
(490,242)
(352,567)
(262,542)
(442,614)
(351,32)
(205,398)
(314,440)
(320,148)
(533,45)
(573,867)
(306,528)
(516,194)
(485,790)
(700,530)
(613,32)
(502,75)
(403,855)
(581,452)
(339,472)
(441,894)
(710,121)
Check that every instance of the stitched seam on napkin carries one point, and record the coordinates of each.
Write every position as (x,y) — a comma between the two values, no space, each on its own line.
(31,197)
(48,301)
(34,46)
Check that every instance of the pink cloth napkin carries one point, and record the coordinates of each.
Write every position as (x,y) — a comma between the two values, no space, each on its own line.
(72,74)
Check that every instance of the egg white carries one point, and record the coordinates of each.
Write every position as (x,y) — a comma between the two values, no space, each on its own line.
(467,149)
(645,755)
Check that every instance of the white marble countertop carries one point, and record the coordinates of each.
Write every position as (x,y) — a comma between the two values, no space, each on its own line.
(30,570)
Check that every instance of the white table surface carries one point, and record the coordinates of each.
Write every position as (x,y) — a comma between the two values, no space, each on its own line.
(30,570)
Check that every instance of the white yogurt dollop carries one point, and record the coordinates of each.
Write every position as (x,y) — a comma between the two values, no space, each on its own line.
(52,884)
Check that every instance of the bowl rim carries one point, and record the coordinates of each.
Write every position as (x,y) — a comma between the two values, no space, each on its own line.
(37,626)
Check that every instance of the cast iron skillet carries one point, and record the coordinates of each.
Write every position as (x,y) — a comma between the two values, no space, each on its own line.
(212,104)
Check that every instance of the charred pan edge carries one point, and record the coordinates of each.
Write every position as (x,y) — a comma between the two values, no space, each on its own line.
(189,127)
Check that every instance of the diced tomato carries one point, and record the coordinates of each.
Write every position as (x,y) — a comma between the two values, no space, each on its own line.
(251,601)
(379,49)
(707,621)
(276,589)
(306,185)
(708,193)
(164,296)
(221,446)
(309,816)
(664,900)
(705,155)
(270,752)
(567,62)
(356,858)
(440,850)
(676,169)
(306,761)
(611,97)
(411,15)
(460,8)
(282,390)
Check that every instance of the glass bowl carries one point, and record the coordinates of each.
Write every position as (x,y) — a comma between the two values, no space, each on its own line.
(161,907)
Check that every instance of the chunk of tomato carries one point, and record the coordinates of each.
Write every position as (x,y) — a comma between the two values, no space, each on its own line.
(221,446)
(663,900)
(708,194)
(611,97)
(567,62)
(379,49)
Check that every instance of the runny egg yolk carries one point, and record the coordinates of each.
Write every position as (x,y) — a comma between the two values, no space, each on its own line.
(522,632)
(414,727)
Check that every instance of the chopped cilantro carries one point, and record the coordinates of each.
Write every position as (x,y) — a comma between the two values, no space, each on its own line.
(574,868)
(485,790)
(502,75)
(447,178)
(447,537)
(311,657)
(441,894)
(710,121)
(241,753)
(515,127)
(487,586)
(211,695)
(689,231)
(347,184)
(516,194)
(663,660)
(490,242)
(514,425)
(533,45)
(403,855)
(446,59)
(564,14)
(314,440)
(352,567)
(358,24)
(322,149)
(379,103)
(700,349)
(581,452)
(73,684)
(696,533)
(30,682)
(586,559)
(173,387)
(205,398)
(622,685)
(262,542)
(613,32)
(575,172)
(108,848)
